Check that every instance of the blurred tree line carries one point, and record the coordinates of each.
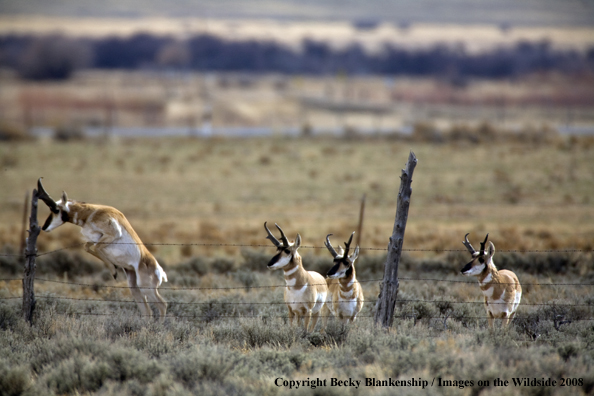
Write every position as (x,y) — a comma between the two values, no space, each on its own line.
(57,57)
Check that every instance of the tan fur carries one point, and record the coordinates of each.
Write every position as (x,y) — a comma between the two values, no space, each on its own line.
(306,291)
(503,283)
(300,303)
(501,289)
(110,237)
(342,290)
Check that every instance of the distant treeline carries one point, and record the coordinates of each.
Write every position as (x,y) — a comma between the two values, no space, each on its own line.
(57,57)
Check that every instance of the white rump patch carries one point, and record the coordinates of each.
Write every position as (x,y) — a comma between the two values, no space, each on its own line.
(517,299)
(161,275)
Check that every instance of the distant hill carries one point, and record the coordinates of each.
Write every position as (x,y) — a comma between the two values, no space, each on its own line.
(363,13)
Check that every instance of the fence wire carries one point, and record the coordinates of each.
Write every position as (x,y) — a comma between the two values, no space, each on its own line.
(181,288)
(265,316)
(435,250)
(290,302)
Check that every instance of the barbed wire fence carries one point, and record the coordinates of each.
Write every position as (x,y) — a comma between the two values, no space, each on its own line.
(32,253)
(199,316)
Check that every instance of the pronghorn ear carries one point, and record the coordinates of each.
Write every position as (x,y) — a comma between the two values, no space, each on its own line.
(297,242)
(64,197)
(491,250)
(354,255)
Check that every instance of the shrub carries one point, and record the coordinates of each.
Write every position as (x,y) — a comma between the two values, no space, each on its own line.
(61,262)
(254,260)
(12,133)
(13,380)
(209,363)
(8,317)
(53,58)
(66,133)
(10,262)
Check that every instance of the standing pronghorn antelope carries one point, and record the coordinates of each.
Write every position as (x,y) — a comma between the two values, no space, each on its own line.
(306,291)
(501,288)
(346,295)
(110,237)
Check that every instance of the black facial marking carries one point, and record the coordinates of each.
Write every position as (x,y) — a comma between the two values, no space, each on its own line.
(333,270)
(274,259)
(467,267)
(481,260)
(65,216)
(349,272)
(47,222)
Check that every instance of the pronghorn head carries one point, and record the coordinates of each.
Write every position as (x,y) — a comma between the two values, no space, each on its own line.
(480,260)
(343,264)
(285,250)
(59,209)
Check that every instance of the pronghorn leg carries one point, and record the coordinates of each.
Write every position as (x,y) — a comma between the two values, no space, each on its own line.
(292,316)
(511,316)
(490,319)
(160,303)
(306,320)
(148,288)
(325,315)
(145,309)
(505,319)
(314,321)
(110,266)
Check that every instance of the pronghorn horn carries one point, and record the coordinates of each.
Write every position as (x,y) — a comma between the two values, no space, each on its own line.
(329,246)
(272,237)
(348,245)
(483,245)
(468,245)
(44,196)
(283,237)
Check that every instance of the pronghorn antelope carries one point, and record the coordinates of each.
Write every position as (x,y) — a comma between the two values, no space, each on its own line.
(501,288)
(346,295)
(110,237)
(306,291)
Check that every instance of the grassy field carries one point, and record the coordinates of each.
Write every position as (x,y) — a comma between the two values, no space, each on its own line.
(227,333)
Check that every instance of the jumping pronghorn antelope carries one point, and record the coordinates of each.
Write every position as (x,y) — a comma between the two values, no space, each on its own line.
(110,237)
(346,295)
(501,288)
(306,291)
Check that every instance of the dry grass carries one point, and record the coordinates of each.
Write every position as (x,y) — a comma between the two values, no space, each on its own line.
(526,195)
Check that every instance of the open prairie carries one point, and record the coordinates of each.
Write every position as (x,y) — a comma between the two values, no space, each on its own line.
(200,205)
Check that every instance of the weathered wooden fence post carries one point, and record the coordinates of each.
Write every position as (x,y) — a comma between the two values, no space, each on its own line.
(384,308)
(30,256)
(23,235)
(360,226)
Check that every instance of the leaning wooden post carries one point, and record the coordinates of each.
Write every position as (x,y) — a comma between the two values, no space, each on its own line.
(360,226)
(30,255)
(384,308)
(23,235)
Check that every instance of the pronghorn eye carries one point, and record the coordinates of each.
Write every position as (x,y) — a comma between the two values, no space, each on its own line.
(287,251)
(481,260)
